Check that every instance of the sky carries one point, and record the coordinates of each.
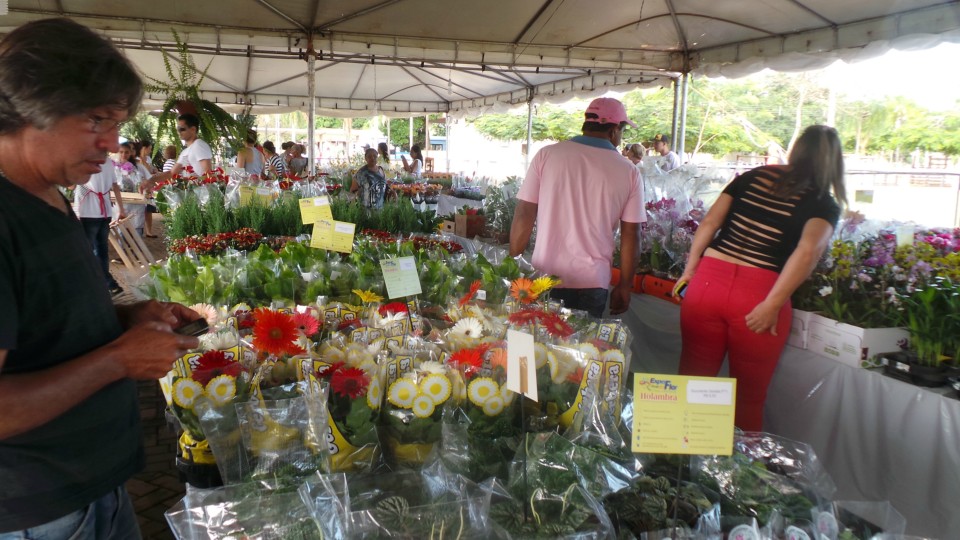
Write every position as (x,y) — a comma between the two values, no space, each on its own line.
(929,77)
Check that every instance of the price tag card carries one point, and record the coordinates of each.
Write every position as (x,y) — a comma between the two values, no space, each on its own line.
(314,209)
(401,277)
(333,235)
(248,194)
(905,235)
(521,364)
(675,414)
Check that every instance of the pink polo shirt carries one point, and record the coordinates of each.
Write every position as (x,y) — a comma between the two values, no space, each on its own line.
(583,188)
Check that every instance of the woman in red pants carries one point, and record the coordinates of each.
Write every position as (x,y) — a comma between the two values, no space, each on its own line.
(756,245)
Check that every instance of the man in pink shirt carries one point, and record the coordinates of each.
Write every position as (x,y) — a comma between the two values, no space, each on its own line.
(578,192)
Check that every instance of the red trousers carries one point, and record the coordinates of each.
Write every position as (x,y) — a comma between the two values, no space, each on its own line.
(713,325)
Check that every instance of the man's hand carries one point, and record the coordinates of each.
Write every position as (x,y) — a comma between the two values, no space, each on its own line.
(620,299)
(169,313)
(149,349)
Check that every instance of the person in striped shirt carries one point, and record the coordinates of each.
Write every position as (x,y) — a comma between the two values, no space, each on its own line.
(275,166)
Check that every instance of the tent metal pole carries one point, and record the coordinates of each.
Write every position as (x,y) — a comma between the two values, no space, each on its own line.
(410,137)
(681,137)
(526,156)
(446,143)
(676,109)
(426,140)
(312,109)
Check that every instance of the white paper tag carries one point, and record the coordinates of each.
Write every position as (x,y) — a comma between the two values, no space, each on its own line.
(345,228)
(520,350)
(481,294)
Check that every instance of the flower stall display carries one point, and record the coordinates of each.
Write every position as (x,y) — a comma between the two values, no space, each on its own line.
(666,236)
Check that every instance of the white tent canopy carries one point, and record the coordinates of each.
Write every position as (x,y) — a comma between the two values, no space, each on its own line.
(403,57)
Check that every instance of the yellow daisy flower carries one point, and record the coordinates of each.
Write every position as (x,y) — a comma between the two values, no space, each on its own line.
(554,366)
(493,406)
(367,296)
(374,393)
(402,392)
(481,389)
(185,392)
(221,389)
(437,387)
(423,406)
(543,284)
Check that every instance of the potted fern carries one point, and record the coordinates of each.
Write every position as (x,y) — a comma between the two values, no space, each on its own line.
(182,90)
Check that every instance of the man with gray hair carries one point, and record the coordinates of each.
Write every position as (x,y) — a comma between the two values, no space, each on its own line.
(70,429)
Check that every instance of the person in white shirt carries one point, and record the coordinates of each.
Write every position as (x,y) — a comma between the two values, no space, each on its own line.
(91,203)
(669,160)
(195,160)
(416,167)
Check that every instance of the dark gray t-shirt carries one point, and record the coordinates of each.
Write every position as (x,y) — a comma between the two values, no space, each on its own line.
(54,307)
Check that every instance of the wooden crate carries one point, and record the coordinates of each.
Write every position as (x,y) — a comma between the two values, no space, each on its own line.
(128,244)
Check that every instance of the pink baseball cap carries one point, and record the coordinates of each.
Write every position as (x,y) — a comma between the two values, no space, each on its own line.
(610,111)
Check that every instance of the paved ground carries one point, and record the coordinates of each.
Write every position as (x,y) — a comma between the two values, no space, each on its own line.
(158,487)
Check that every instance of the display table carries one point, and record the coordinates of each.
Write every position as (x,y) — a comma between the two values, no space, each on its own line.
(448,204)
(879,438)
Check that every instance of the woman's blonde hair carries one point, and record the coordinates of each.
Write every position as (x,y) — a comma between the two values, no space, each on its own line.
(816,161)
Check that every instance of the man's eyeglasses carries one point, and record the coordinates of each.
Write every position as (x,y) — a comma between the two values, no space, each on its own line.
(102,124)
(183,128)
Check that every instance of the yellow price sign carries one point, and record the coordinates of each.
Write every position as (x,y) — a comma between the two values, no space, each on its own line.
(314,209)
(676,414)
(333,235)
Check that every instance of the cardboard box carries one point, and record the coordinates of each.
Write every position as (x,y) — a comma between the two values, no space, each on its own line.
(448,226)
(799,328)
(851,345)
(469,226)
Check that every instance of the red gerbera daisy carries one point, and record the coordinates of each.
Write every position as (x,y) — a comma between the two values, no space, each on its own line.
(325,371)
(469,360)
(525,316)
(349,382)
(306,323)
(556,326)
(474,287)
(274,332)
(392,307)
(213,364)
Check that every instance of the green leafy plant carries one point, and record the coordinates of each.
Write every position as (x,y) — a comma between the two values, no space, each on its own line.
(182,90)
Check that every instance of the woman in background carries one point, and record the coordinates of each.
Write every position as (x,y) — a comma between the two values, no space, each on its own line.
(415,169)
(370,181)
(298,163)
(756,245)
(249,157)
(146,168)
(275,165)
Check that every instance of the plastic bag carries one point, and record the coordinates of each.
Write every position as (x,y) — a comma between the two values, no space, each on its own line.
(243,511)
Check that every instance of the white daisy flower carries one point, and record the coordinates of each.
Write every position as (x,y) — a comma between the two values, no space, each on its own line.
(481,389)
(590,351)
(541,352)
(208,312)
(374,393)
(221,389)
(469,327)
(825,291)
(432,366)
(186,391)
(402,393)
(493,406)
(219,341)
(437,387)
(423,406)
(507,395)
(614,355)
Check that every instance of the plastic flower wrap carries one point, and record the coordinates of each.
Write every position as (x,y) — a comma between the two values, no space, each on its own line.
(482,436)
(212,376)
(353,409)
(432,503)
(417,391)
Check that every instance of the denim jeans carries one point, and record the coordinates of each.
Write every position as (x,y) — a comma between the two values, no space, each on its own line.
(97,230)
(593,301)
(110,517)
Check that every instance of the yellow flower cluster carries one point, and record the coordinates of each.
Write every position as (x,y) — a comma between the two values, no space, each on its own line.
(220,390)
(422,398)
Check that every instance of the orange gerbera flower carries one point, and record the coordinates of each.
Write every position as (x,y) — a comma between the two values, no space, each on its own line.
(520,289)
(474,287)
(469,360)
(275,332)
